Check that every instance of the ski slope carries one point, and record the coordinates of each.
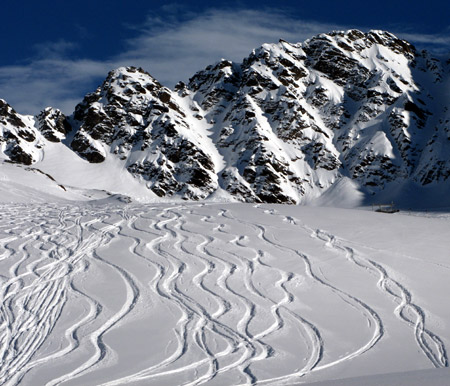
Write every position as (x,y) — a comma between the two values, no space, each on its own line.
(219,293)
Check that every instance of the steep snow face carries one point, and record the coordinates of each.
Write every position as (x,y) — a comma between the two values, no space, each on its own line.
(136,119)
(264,128)
(389,106)
(283,126)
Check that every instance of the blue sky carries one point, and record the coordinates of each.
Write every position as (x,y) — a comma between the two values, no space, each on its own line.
(55,52)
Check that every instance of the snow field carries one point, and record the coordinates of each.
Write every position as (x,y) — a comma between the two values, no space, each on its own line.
(190,294)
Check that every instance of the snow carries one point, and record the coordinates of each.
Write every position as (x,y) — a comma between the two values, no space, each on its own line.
(103,283)
(109,175)
(221,294)
(344,194)
(201,135)
(433,377)
(24,184)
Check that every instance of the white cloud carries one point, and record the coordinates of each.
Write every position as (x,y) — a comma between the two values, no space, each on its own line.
(49,82)
(171,47)
(438,44)
(176,51)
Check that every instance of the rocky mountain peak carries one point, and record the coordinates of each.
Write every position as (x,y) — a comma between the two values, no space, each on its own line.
(129,84)
(133,117)
(119,106)
(285,125)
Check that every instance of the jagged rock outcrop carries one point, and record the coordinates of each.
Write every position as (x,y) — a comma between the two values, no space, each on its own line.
(340,104)
(19,141)
(283,126)
(53,124)
(135,118)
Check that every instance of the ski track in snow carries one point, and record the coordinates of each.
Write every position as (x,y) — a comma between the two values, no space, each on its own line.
(33,295)
(365,309)
(429,343)
(215,273)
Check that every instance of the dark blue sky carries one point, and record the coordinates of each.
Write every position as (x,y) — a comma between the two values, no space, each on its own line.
(55,52)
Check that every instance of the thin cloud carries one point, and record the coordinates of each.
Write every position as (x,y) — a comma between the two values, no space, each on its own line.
(438,44)
(53,82)
(186,47)
(169,47)
(59,49)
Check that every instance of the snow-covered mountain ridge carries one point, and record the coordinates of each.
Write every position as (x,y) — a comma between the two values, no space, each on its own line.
(344,111)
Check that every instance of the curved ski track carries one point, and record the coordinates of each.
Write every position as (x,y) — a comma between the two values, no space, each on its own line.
(428,342)
(215,273)
(45,249)
(372,317)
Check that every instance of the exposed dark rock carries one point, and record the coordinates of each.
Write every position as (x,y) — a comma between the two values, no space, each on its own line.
(9,115)
(411,106)
(83,146)
(53,124)
(18,155)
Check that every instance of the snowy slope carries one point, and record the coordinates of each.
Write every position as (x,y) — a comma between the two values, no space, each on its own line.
(412,378)
(220,294)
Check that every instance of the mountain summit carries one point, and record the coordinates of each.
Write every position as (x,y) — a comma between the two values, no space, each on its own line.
(292,123)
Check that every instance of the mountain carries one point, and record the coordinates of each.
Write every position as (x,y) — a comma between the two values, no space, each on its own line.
(349,113)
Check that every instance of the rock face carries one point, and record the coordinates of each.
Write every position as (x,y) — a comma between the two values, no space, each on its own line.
(294,118)
(134,118)
(283,126)
(53,124)
(19,140)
